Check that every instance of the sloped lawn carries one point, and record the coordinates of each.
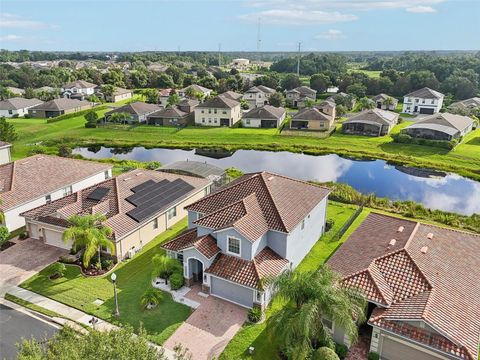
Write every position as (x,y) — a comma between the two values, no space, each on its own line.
(133,277)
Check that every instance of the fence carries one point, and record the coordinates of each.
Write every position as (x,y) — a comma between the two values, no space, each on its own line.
(345,226)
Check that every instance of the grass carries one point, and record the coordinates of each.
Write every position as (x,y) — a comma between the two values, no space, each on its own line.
(133,278)
(31,306)
(255,334)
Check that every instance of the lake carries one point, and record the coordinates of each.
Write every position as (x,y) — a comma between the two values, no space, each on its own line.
(435,190)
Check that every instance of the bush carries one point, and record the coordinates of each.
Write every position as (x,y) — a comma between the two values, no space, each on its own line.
(4,233)
(176,280)
(329,224)
(26,116)
(325,353)
(151,298)
(75,114)
(23,235)
(407,139)
(255,315)
(373,356)
(55,270)
(107,264)
(341,351)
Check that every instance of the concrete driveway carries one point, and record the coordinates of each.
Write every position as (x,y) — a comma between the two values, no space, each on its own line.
(24,259)
(210,327)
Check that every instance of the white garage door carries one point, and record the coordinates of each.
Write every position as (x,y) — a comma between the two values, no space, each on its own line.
(229,291)
(54,238)
(394,350)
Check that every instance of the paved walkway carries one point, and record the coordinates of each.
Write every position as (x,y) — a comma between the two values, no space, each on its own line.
(210,327)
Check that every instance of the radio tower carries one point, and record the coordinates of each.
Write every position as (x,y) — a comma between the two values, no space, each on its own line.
(298,59)
(259,40)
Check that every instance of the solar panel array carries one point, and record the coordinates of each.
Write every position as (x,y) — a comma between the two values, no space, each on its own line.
(150,197)
(98,194)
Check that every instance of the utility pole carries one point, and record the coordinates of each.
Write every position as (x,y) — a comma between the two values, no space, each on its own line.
(259,40)
(298,58)
(219,54)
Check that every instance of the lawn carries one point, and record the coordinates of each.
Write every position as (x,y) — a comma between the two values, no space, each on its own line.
(255,335)
(133,277)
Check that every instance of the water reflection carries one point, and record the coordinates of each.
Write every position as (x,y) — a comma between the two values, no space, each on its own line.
(434,189)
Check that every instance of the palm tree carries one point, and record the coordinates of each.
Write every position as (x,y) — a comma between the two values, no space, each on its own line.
(164,266)
(312,297)
(2,215)
(88,232)
(365,103)
(151,298)
(388,101)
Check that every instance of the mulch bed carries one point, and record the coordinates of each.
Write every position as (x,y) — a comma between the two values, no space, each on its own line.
(6,245)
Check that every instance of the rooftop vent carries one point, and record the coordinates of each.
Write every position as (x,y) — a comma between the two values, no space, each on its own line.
(392,242)
(430,236)
(271,178)
(126,179)
(401,228)
(424,249)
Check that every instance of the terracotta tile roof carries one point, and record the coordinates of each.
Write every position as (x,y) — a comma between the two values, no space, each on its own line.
(282,202)
(249,273)
(206,244)
(432,273)
(36,176)
(114,203)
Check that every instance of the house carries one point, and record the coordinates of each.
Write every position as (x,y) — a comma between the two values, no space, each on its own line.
(57,107)
(423,101)
(257,96)
(467,104)
(240,63)
(370,122)
(78,89)
(197,88)
(218,111)
(5,154)
(312,118)
(138,111)
(181,114)
(119,94)
(299,96)
(163,96)
(232,95)
(215,174)
(441,126)
(266,116)
(138,206)
(17,106)
(421,283)
(327,107)
(385,102)
(40,179)
(342,98)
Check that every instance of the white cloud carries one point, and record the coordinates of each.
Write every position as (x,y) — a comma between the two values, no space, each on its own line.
(298,17)
(15,21)
(421,9)
(331,34)
(10,37)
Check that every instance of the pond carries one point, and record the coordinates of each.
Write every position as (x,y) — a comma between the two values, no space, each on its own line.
(436,190)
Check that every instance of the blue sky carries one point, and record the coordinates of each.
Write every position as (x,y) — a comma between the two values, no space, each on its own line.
(320,25)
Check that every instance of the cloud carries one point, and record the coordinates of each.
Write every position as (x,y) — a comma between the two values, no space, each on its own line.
(421,9)
(298,17)
(17,22)
(331,34)
(10,37)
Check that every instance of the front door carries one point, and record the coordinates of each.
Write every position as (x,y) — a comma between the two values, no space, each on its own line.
(224,122)
(415,109)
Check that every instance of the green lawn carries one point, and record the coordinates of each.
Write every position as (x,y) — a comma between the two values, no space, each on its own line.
(133,279)
(255,335)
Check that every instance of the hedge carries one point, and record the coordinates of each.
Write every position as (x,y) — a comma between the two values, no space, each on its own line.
(75,114)
(407,139)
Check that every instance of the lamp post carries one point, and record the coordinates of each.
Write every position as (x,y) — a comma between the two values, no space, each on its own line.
(114,278)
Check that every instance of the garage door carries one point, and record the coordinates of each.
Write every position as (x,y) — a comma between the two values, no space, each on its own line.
(426,111)
(54,238)
(394,350)
(232,292)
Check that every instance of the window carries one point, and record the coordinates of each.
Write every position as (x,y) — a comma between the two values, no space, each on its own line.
(416,100)
(234,246)
(224,112)
(107,175)
(433,101)
(48,199)
(10,112)
(203,112)
(209,111)
(172,213)
(214,111)
(423,101)
(203,120)
(259,296)
(180,257)
(67,191)
(247,121)
(155,223)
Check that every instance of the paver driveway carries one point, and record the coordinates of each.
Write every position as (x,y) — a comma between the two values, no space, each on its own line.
(26,258)
(210,327)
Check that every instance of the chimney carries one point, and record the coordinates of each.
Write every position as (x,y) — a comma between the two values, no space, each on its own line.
(424,249)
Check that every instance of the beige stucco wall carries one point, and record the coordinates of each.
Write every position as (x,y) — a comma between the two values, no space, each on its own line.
(208,117)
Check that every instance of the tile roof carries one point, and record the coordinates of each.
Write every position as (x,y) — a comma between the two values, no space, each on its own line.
(265,112)
(311,113)
(467,103)
(376,116)
(121,91)
(135,108)
(428,274)
(60,104)
(197,88)
(115,203)
(266,89)
(282,202)
(304,90)
(169,112)
(266,264)
(456,122)
(205,244)
(219,102)
(425,93)
(17,103)
(81,84)
(232,95)
(36,176)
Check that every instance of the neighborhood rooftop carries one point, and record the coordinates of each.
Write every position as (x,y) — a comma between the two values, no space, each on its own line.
(80,84)
(135,108)
(425,93)
(17,103)
(374,116)
(265,112)
(446,122)
(60,104)
(219,102)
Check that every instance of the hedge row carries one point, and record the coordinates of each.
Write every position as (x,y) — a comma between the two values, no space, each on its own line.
(75,114)
(407,139)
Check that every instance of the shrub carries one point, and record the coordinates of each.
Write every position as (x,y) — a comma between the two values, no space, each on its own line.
(255,315)
(56,270)
(325,353)
(164,266)
(373,356)
(341,350)
(151,298)
(176,280)
(3,235)
(23,235)
(107,264)
(329,224)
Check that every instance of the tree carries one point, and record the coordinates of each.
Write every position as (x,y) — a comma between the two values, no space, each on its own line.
(91,118)
(5,93)
(312,298)
(164,266)
(290,81)
(29,93)
(107,90)
(4,234)
(64,150)
(7,131)
(88,232)
(325,353)
(320,82)
(365,103)
(277,99)
(151,298)
(270,80)
(151,96)
(173,99)
(341,110)
(357,90)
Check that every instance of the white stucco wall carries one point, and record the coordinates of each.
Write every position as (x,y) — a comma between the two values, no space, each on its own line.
(409,104)
(5,156)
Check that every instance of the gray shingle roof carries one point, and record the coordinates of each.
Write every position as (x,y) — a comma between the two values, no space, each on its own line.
(377,116)
(17,103)
(135,108)
(442,121)
(197,88)
(219,102)
(265,112)
(310,114)
(169,112)
(426,93)
(81,84)
(232,95)
(60,104)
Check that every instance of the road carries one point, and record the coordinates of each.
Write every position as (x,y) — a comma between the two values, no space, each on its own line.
(15,325)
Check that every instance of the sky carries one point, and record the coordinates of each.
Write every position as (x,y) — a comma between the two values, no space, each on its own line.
(199,25)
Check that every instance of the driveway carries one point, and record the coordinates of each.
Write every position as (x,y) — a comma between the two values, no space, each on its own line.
(210,327)
(24,259)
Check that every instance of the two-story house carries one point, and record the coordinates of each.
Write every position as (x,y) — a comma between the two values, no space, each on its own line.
(423,101)
(257,96)
(248,232)
(218,111)
(299,96)
(78,89)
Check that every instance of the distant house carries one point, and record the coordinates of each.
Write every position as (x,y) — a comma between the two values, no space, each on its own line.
(197,88)
(40,179)
(16,91)
(48,89)
(17,106)
(298,97)
(371,122)
(163,96)
(257,96)
(312,118)
(5,155)
(327,107)
(78,89)
(467,104)
(119,94)
(217,175)
(441,126)
(423,101)
(266,116)
(138,206)
(219,111)
(181,114)
(57,107)
(240,63)
(232,95)
(137,110)
(381,103)
(341,95)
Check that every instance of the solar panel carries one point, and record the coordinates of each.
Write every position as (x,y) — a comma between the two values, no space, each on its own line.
(98,194)
(142,186)
(152,198)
